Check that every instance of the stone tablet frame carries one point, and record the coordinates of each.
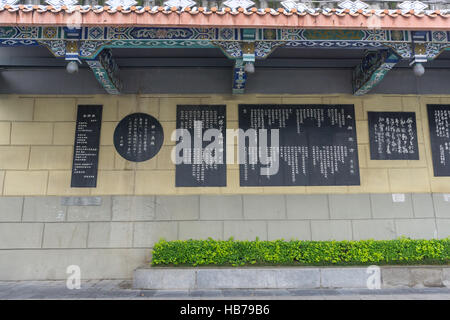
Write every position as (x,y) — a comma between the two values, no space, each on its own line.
(143,134)
(184,172)
(86,146)
(373,119)
(438,151)
(312,139)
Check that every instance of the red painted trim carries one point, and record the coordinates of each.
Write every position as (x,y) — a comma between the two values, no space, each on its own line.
(171,18)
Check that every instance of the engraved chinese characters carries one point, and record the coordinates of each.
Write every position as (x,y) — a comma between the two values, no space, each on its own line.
(393,136)
(86,146)
(201,146)
(316,145)
(138,137)
(439,122)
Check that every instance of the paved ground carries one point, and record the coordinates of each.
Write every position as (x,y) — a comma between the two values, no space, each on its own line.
(121,289)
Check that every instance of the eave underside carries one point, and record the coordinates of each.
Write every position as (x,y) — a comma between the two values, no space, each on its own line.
(108,51)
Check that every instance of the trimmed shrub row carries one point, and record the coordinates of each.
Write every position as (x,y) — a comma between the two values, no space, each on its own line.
(300,253)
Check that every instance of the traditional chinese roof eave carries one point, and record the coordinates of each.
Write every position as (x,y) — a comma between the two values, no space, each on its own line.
(145,17)
(89,34)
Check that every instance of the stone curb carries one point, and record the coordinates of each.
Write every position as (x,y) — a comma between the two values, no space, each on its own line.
(290,278)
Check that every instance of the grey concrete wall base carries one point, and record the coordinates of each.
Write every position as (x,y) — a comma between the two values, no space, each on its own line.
(112,239)
(288,278)
(416,277)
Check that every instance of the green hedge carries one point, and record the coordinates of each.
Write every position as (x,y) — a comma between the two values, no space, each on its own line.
(301,253)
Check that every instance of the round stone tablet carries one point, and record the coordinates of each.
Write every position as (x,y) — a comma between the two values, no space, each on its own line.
(138,137)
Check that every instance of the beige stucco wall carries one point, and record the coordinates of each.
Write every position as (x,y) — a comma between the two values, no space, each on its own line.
(37,135)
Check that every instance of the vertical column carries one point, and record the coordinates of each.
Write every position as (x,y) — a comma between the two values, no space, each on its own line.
(239,77)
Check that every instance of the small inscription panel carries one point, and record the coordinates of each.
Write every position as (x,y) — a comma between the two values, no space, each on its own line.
(439,123)
(81,201)
(317,145)
(138,137)
(198,173)
(393,136)
(86,146)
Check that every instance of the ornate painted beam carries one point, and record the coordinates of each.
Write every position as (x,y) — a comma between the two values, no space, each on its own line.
(245,52)
(106,71)
(94,39)
(233,50)
(192,37)
(72,51)
(239,72)
(419,47)
(242,53)
(372,69)
(426,50)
